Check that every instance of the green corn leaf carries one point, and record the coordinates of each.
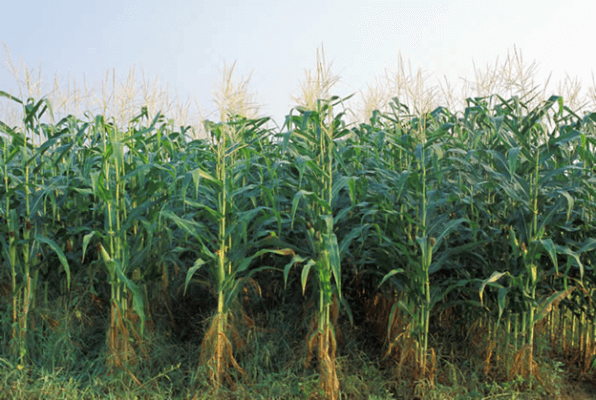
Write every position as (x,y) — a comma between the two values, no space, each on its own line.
(297,259)
(86,239)
(59,253)
(502,298)
(137,299)
(346,241)
(32,109)
(305,271)
(549,246)
(587,245)
(495,276)
(192,228)
(295,202)
(352,187)
(339,184)
(512,156)
(110,263)
(205,175)
(426,250)
(419,152)
(439,295)
(552,301)
(390,274)
(11,97)
(408,308)
(332,248)
(567,251)
(246,261)
(346,307)
(398,304)
(197,265)
(446,230)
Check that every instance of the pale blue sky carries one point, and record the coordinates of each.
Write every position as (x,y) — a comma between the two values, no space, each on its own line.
(187,42)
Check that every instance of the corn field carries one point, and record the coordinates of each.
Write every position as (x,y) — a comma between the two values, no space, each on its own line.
(430,236)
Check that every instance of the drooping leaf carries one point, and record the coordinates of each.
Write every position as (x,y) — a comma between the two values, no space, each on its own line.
(59,253)
(191,271)
(495,276)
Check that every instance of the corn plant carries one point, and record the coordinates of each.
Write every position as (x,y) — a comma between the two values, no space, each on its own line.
(128,174)
(107,185)
(218,214)
(415,220)
(531,167)
(22,168)
(312,143)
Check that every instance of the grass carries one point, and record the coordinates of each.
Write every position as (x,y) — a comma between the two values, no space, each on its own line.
(274,370)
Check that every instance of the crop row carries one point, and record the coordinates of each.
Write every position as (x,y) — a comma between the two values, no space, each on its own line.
(487,213)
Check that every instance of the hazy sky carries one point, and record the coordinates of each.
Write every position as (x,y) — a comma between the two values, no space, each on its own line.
(188,42)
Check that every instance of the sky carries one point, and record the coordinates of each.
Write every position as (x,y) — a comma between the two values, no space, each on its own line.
(187,43)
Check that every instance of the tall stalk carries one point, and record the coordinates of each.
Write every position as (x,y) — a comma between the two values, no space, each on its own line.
(313,139)
(109,185)
(426,217)
(228,233)
(25,234)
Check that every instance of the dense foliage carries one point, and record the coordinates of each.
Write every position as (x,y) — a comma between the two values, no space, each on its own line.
(424,231)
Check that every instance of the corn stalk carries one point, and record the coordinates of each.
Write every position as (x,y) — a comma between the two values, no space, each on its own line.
(24,249)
